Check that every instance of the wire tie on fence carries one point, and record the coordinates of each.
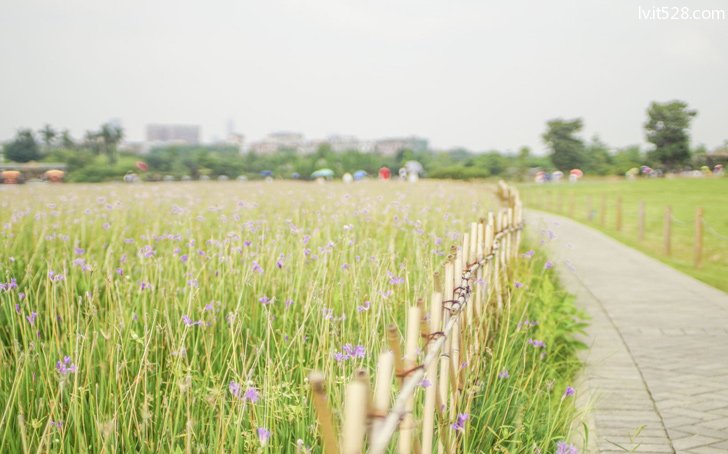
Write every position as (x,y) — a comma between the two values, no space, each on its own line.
(432,336)
(405,373)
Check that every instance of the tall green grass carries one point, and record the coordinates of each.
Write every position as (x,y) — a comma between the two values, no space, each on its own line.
(191,314)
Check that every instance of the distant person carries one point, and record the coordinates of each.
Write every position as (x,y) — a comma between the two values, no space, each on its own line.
(402,173)
(384,173)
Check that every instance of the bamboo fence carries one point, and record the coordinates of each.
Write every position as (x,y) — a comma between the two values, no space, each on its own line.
(451,332)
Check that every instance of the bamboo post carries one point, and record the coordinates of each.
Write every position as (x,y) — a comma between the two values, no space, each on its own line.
(589,212)
(641,222)
(603,211)
(618,214)
(445,355)
(355,413)
(406,427)
(698,237)
(455,367)
(393,341)
(323,413)
(472,255)
(428,423)
(383,386)
(668,230)
(571,205)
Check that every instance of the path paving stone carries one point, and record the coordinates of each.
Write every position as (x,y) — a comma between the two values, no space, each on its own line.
(658,357)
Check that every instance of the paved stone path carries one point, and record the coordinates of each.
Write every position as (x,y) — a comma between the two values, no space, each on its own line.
(659,345)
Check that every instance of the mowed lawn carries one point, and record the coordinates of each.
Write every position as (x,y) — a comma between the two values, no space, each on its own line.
(583,202)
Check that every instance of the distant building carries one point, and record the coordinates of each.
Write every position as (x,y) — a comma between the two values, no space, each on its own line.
(278,141)
(390,147)
(173,134)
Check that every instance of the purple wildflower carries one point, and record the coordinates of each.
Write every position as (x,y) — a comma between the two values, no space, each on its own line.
(504,374)
(425,383)
(252,395)
(364,307)
(537,343)
(257,268)
(548,265)
(564,448)
(189,322)
(263,435)
(264,300)
(31,318)
(184,258)
(519,284)
(459,424)
(21,296)
(65,366)
(79,251)
(289,303)
(234,388)
(568,392)
(145,286)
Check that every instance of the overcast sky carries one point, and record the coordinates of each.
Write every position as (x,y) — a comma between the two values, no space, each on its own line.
(459,72)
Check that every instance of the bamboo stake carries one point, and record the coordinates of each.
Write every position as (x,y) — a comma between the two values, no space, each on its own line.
(472,252)
(383,386)
(393,341)
(641,222)
(698,237)
(406,427)
(428,423)
(618,214)
(445,356)
(323,413)
(571,205)
(355,413)
(667,233)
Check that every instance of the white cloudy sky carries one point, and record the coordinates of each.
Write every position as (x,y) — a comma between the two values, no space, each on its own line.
(460,72)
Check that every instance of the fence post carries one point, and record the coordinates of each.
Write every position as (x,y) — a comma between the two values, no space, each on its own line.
(668,230)
(618,214)
(355,413)
(406,427)
(383,386)
(428,422)
(571,205)
(323,413)
(589,209)
(698,237)
(641,222)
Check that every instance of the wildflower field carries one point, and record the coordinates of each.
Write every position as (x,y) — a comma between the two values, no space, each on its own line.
(583,202)
(187,316)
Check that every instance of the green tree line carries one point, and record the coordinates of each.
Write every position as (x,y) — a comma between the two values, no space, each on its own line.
(97,157)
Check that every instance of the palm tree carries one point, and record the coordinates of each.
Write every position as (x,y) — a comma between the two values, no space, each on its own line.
(111,135)
(47,134)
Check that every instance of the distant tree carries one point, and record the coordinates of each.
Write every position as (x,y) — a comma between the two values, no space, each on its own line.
(667,129)
(627,158)
(48,135)
(67,140)
(598,160)
(23,147)
(110,136)
(92,141)
(567,150)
